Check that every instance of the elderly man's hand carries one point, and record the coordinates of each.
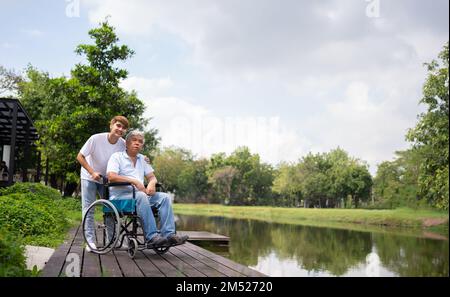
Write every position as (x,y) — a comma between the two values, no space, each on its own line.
(151,189)
(140,186)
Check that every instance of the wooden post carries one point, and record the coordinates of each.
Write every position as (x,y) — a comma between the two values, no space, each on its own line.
(12,167)
(37,178)
(26,153)
(46,171)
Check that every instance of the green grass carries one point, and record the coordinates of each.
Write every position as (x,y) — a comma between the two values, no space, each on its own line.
(356,219)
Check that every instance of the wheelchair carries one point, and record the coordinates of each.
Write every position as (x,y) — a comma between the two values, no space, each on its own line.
(116,221)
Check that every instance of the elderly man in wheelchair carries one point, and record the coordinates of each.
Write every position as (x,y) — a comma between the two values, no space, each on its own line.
(128,206)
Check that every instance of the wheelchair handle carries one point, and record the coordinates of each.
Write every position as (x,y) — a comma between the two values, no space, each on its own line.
(118,184)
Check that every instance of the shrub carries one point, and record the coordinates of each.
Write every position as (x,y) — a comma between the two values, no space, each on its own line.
(20,214)
(38,189)
(36,212)
(12,258)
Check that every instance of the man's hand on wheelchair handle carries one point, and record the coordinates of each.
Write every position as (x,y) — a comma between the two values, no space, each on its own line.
(96,175)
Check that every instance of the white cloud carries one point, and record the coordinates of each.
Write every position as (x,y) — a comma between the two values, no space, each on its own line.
(32,32)
(183,124)
(363,76)
(8,45)
(148,87)
(367,130)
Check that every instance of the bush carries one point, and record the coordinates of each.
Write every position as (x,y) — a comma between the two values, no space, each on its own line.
(12,258)
(20,214)
(38,189)
(36,212)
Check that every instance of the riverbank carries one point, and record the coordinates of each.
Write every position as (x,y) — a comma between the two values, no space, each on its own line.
(357,219)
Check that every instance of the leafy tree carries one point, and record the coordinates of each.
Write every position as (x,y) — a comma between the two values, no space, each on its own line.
(431,134)
(193,181)
(316,184)
(396,182)
(323,180)
(222,180)
(67,111)
(360,183)
(9,80)
(287,184)
(168,165)
(252,181)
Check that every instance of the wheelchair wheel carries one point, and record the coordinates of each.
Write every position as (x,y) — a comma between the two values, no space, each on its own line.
(105,224)
(132,247)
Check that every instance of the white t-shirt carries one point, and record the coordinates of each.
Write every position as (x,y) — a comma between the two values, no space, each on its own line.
(97,150)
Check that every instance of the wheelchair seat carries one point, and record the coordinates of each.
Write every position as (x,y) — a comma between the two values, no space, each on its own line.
(124,206)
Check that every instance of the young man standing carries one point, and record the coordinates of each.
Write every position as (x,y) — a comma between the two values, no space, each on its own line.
(93,157)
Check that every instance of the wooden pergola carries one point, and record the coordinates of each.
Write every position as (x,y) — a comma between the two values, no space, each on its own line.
(16,130)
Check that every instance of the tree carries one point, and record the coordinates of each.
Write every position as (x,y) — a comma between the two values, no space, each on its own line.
(168,165)
(431,134)
(396,182)
(222,180)
(252,181)
(323,180)
(360,183)
(193,181)
(67,111)
(9,80)
(287,184)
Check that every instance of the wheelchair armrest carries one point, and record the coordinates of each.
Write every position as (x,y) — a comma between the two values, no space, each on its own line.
(107,185)
(118,184)
(158,185)
(161,187)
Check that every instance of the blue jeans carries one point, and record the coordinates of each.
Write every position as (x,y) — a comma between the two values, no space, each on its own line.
(89,189)
(161,201)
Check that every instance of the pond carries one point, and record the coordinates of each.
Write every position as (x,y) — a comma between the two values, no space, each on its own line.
(294,250)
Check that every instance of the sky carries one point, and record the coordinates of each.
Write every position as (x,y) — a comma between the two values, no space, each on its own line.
(283,78)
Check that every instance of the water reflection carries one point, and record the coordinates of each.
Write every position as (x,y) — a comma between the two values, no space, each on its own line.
(293,250)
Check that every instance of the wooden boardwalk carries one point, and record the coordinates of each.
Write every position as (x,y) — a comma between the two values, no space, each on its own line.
(186,260)
(205,237)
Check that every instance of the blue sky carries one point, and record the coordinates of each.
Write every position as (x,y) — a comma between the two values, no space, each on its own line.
(282,77)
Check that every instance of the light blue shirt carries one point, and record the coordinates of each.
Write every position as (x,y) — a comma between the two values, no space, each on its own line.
(122,164)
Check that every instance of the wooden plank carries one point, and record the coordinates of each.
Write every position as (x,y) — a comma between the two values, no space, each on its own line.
(147,267)
(108,262)
(227,262)
(206,269)
(110,267)
(186,268)
(165,267)
(127,265)
(56,262)
(204,263)
(91,265)
(77,249)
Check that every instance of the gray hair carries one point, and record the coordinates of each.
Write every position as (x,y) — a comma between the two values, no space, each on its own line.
(135,133)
